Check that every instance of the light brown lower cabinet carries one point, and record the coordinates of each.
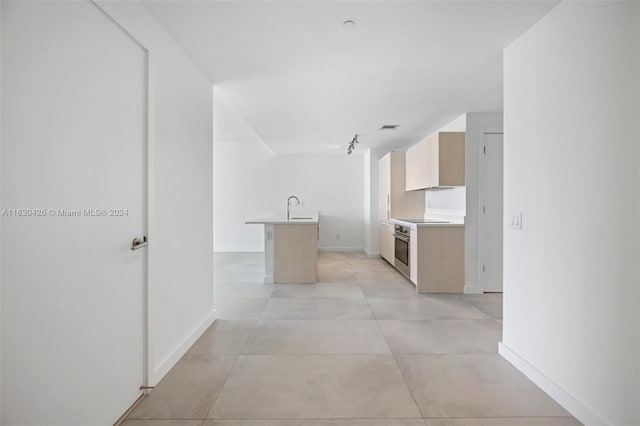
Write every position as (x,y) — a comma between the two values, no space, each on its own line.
(295,253)
(437,259)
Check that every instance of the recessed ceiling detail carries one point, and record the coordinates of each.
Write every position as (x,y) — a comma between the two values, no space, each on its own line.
(348,24)
(389,126)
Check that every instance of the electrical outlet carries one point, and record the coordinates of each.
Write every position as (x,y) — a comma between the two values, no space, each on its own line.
(337,236)
(515,221)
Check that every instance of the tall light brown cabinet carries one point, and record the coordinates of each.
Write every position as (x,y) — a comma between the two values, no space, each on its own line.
(394,201)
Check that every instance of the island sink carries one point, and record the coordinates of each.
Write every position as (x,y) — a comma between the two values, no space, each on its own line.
(290,248)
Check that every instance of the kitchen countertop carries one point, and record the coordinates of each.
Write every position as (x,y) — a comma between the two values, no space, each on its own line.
(296,219)
(415,225)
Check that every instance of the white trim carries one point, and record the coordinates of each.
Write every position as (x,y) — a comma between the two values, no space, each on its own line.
(472,289)
(491,131)
(371,254)
(167,363)
(147,220)
(238,250)
(577,408)
(261,250)
(343,249)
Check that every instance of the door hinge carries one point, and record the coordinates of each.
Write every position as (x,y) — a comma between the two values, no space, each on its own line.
(484,209)
(482,268)
(484,149)
(146,387)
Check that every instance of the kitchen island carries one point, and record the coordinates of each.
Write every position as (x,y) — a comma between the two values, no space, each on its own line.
(290,248)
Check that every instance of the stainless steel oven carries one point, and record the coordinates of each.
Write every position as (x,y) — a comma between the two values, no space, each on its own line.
(402,247)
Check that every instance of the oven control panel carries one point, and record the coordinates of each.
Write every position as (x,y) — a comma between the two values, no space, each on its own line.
(402,230)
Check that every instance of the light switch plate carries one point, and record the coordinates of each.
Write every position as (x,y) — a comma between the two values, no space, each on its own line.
(515,221)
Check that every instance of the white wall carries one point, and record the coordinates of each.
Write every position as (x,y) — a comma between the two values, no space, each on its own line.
(250,181)
(368,206)
(371,191)
(571,277)
(0,230)
(450,201)
(181,191)
(180,204)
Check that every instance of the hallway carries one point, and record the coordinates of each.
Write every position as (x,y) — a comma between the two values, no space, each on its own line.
(357,348)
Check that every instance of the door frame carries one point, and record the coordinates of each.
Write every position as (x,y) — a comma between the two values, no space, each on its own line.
(481,135)
(147,361)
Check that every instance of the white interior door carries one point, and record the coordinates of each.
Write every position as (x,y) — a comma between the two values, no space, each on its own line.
(74,100)
(490,228)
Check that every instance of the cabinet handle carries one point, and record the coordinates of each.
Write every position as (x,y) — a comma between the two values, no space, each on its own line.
(388,207)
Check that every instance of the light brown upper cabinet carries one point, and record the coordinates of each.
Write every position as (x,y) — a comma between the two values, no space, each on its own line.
(394,202)
(436,162)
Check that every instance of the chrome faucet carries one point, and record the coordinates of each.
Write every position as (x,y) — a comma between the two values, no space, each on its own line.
(289,205)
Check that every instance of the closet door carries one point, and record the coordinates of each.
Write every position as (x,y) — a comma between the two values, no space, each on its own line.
(74,102)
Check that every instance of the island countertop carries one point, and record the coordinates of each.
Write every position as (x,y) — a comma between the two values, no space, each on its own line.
(296,219)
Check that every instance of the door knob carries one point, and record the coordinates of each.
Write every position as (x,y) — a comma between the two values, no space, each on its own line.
(138,243)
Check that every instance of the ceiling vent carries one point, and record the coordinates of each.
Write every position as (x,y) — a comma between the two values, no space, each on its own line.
(389,127)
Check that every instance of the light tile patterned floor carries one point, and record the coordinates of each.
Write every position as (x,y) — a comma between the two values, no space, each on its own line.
(359,348)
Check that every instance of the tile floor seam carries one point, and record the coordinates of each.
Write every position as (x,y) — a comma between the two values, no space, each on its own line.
(206,417)
(226,379)
(498,417)
(325,355)
(235,362)
(134,421)
(449,352)
(395,361)
(322,419)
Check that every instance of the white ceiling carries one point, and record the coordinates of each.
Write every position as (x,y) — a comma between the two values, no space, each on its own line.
(228,125)
(301,81)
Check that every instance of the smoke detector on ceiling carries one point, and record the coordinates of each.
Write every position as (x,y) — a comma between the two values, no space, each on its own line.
(389,127)
(349,24)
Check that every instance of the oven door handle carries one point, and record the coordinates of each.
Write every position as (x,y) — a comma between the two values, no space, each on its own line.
(402,237)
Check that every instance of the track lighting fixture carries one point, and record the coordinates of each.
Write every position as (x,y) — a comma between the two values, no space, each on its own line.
(352,145)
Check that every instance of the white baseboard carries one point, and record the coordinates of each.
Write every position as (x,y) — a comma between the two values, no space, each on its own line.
(577,408)
(237,249)
(473,289)
(261,250)
(342,249)
(371,254)
(167,363)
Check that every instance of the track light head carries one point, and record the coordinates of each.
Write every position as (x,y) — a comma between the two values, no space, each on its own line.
(352,145)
